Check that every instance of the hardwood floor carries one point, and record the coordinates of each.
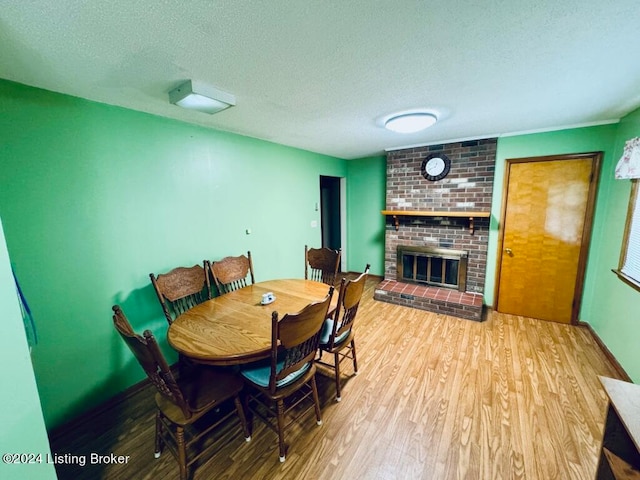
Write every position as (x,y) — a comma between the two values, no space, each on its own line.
(437,397)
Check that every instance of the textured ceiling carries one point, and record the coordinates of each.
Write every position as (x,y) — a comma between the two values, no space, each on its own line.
(318,75)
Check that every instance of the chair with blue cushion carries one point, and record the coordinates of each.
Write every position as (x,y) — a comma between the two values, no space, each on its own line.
(321,264)
(290,370)
(338,336)
(188,408)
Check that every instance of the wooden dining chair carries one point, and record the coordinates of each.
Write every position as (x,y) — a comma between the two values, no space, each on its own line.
(338,336)
(180,289)
(231,273)
(321,264)
(291,369)
(182,402)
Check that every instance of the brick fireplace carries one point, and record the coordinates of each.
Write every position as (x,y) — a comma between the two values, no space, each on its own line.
(465,191)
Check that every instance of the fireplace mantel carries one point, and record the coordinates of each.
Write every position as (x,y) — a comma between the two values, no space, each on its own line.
(424,213)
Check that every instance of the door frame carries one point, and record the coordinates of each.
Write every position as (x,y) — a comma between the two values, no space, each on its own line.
(343,223)
(342,210)
(587,228)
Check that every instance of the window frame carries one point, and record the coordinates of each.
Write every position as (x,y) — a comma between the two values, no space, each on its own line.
(630,274)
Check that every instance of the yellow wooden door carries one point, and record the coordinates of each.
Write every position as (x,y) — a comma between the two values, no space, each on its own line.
(547,222)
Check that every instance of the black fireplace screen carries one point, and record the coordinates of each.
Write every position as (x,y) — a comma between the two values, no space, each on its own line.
(443,267)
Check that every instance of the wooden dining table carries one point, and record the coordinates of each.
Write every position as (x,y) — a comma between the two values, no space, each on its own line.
(235,328)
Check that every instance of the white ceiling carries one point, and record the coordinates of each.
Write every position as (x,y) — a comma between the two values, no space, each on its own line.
(318,74)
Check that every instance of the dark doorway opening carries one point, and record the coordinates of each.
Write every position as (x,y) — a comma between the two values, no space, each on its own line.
(330,212)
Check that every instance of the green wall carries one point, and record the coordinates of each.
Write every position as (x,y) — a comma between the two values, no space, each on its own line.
(95,197)
(23,429)
(366,196)
(610,305)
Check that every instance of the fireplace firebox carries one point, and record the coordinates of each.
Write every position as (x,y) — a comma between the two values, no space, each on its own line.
(442,267)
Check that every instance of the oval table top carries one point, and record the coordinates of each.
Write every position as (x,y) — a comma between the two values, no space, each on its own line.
(235,328)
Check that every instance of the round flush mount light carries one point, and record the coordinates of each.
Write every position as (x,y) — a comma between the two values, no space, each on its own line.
(409,122)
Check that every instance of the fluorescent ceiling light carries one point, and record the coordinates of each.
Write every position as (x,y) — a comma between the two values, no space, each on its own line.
(410,122)
(201,97)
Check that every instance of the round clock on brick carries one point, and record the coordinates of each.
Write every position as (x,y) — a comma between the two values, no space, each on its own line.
(435,167)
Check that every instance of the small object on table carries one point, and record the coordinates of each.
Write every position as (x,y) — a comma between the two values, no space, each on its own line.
(268,298)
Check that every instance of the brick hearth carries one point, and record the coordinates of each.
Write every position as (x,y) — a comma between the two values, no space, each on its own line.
(434,299)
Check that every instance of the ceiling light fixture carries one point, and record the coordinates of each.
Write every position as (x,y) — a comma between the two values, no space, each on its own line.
(410,122)
(203,98)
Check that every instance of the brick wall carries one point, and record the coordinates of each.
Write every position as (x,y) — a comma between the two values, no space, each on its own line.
(467,187)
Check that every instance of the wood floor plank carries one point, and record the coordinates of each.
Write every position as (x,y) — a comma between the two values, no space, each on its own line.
(437,397)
